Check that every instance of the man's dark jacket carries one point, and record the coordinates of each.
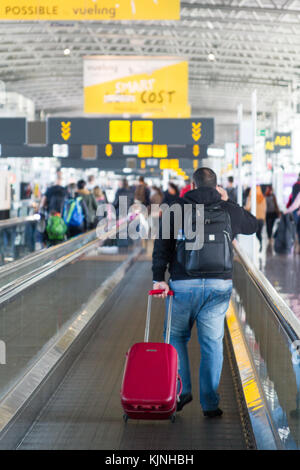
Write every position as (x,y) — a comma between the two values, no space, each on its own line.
(164,253)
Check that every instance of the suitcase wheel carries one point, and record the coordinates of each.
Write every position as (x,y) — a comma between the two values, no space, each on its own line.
(173,418)
(125,418)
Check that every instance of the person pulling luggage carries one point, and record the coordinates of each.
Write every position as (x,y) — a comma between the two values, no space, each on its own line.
(202,283)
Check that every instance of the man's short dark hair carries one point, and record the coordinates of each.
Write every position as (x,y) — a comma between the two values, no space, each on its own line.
(81,184)
(205,177)
(230,179)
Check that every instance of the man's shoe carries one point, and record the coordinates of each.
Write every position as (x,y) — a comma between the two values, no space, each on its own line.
(184,400)
(213,413)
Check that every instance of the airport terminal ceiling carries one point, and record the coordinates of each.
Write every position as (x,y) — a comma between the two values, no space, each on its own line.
(232,46)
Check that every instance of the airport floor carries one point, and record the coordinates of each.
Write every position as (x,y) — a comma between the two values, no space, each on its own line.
(283,271)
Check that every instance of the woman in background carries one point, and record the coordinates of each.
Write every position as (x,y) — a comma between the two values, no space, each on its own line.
(99,195)
(273,211)
(261,210)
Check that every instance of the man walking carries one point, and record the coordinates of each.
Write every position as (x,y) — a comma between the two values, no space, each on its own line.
(55,196)
(202,291)
(231,189)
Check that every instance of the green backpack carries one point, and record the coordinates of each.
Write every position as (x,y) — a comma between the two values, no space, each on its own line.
(56,228)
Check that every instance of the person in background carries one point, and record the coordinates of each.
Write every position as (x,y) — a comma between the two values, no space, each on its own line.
(156,195)
(55,196)
(171,195)
(31,228)
(231,189)
(99,195)
(186,188)
(295,209)
(72,189)
(261,210)
(123,190)
(296,189)
(246,191)
(293,203)
(75,215)
(91,182)
(142,193)
(273,211)
(156,198)
(90,202)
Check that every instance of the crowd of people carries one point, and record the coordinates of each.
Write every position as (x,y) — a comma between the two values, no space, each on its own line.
(72,210)
(268,211)
(69,211)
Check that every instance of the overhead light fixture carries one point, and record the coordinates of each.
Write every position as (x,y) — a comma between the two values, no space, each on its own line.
(211,57)
(67,51)
(127,170)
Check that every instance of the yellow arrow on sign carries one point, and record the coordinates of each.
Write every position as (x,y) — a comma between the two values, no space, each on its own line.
(108,150)
(66,130)
(196,130)
(196,150)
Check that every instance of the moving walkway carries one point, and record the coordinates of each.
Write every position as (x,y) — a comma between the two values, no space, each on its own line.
(67,333)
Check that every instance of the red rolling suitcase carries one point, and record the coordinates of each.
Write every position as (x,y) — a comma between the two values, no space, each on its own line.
(150,381)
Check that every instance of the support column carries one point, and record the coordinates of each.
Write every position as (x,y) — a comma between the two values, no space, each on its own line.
(253,168)
(240,186)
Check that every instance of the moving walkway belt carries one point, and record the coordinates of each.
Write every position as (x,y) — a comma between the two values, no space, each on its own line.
(85,412)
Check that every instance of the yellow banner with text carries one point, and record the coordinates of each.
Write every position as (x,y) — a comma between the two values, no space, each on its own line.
(152,87)
(104,10)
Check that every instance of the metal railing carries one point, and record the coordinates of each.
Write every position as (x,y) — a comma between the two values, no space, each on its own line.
(14,222)
(18,268)
(283,312)
(39,265)
(17,237)
(271,334)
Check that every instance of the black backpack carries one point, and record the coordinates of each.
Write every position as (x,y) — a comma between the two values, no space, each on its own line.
(215,257)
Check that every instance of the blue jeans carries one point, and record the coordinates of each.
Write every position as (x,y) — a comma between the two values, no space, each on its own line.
(204,301)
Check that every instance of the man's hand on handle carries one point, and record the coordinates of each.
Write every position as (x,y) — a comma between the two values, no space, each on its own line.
(161,285)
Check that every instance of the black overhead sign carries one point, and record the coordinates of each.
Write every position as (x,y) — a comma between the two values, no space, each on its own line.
(12,131)
(119,164)
(269,145)
(151,151)
(282,140)
(93,131)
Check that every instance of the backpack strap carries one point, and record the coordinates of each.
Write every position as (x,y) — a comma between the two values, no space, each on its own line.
(71,210)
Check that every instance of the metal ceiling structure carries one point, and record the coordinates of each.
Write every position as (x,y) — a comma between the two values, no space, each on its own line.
(252,44)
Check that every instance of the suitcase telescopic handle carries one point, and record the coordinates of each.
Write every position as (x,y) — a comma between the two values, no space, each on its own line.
(150,294)
(159,291)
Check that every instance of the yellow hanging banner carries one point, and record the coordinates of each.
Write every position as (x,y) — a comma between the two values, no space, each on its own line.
(155,87)
(93,10)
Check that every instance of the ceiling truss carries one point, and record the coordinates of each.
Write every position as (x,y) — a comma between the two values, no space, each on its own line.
(256,45)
